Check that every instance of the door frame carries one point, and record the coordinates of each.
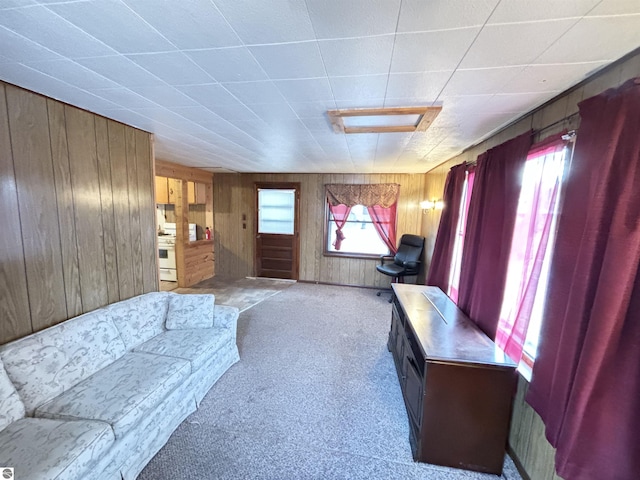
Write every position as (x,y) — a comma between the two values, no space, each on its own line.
(296,222)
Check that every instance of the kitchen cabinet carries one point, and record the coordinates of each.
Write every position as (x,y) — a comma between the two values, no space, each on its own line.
(196,193)
(162,190)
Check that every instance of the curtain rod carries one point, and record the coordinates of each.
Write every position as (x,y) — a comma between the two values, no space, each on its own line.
(546,127)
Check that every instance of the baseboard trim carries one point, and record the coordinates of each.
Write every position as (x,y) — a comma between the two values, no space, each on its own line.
(516,461)
(344,285)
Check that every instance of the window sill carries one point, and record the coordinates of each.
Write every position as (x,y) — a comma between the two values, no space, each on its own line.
(364,256)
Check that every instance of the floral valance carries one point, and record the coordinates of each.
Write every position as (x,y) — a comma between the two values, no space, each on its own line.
(369,195)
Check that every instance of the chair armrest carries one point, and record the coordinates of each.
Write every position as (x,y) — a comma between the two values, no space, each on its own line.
(411,264)
(382,257)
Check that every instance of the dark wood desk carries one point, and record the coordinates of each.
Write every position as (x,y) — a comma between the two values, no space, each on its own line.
(456,383)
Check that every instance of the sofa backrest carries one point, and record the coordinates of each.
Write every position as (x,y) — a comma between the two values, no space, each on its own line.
(45,364)
(11,407)
(139,318)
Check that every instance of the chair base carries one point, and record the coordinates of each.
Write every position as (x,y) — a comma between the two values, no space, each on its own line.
(386,291)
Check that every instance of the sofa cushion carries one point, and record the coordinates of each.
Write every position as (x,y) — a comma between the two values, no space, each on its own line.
(45,364)
(11,407)
(197,345)
(190,311)
(40,448)
(121,393)
(139,318)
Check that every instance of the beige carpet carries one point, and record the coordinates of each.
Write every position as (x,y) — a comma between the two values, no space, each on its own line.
(242,293)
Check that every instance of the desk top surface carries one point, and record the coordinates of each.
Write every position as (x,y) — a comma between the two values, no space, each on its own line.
(443,331)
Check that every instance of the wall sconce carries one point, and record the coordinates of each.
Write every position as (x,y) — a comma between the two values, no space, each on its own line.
(431,205)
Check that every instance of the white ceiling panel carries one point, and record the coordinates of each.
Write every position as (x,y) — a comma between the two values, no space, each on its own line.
(305,90)
(229,64)
(515,11)
(109,20)
(595,39)
(513,44)
(312,109)
(175,68)
(355,18)
(42,26)
(73,73)
(357,56)
(188,25)
(164,95)
(430,51)
(550,78)
(20,49)
(427,85)
(245,85)
(255,92)
(210,95)
(420,16)
(290,60)
(267,22)
(121,70)
(480,81)
(359,88)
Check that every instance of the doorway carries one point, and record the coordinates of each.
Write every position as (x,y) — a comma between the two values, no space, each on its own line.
(277,235)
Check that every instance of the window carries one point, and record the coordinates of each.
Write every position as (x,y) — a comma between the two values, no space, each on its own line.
(531,250)
(358,235)
(456,259)
(276,211)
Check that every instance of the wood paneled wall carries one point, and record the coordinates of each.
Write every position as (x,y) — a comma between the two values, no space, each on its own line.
(76,209)
(527,439)
(234,245)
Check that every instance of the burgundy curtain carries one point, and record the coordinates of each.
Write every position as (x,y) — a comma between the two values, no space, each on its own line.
(531,243)
(586,378)
(492,214)
(440,269)
(384,220)
(340,214)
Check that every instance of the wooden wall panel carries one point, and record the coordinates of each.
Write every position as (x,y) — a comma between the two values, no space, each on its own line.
(146,203)
(106,203)
(85,182)
(32,162)
(120,188)
(134,208)
(66,220)
(15,318)
(234,197)
(58,252)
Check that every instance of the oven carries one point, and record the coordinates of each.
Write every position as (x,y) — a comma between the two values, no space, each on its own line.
(167,259)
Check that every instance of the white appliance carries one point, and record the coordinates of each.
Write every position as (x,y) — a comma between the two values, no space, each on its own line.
(167,258)
(170,229)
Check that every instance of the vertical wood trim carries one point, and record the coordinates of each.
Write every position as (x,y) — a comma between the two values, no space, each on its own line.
(134,209)
(146,206)
(29,130)
(120,187)
(106,202)
(15,316)
(66,214)
(85,182)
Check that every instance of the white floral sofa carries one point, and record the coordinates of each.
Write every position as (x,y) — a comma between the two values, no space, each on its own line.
(97,396)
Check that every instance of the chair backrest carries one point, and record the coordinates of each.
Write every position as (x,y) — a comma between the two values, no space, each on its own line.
(409,249)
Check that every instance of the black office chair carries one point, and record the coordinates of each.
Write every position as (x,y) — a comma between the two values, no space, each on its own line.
(405,262)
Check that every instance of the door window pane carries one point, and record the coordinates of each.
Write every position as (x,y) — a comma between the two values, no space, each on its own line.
(276,209)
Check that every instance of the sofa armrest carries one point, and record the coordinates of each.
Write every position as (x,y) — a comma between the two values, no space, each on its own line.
(225,316)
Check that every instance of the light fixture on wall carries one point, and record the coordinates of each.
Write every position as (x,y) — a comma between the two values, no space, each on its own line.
(431,205)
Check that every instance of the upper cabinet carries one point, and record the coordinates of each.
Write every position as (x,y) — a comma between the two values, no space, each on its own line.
(162,190)
(166,191)
(196,193)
